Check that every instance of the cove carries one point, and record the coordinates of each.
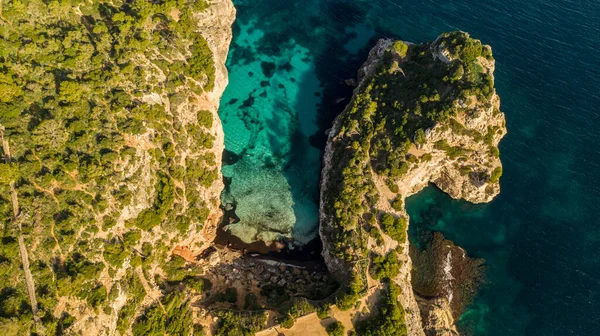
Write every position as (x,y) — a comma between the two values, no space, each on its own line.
(541,236)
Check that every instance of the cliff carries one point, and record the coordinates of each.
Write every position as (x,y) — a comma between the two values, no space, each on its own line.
(420,114)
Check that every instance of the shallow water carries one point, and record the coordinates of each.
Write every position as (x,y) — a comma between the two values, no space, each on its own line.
(540,237)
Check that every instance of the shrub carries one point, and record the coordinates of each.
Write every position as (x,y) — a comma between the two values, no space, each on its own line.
(496,174)
(205,118)
(323,311)
(395,228)
(286,321)
(400,48)
(385,267)
(242,324)
(398,204)
(335,329)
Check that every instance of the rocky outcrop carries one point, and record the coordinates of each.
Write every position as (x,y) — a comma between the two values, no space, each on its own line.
(444,280)
(458,154)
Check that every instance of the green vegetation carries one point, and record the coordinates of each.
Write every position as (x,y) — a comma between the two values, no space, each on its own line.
(323,311)
(92,108)
(275,294)
(335,329)
(387,267)
(289,313)
(173,317)
(394,227)
(239,324)
(452,151)
(389,320)
(496,174)
(398,204)
(400,48)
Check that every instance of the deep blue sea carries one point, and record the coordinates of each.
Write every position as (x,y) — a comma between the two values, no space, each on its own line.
(540,238)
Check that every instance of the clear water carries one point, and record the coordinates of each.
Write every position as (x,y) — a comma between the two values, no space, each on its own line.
(540,237)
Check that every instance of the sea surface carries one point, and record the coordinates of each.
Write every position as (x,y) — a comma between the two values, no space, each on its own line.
(540,237)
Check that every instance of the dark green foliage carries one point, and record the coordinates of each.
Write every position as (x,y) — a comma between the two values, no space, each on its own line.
(239,324)
(426,157)
(175,269)
(420,137)
(78,277)
(286,321)
(173,318)
(395,228)
(376,234)
(335,329)
(398,204)
(452,151)
(385,267)
(197,284)
(205,118)
(390,318)
(348,299)
(132,285)
(165,195)
(299,307)
(323,311)
(392,185)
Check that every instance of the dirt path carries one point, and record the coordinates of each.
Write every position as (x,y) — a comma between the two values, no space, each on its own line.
(19,218)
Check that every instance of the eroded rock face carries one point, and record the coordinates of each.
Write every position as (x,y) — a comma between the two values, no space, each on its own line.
(445,280)
(456,151)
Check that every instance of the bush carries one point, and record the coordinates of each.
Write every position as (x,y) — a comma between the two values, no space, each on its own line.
(400,48)
(398,204)
(335,329)
(286,321)
(496,174)
(239,324)
(205,118)
(323,311)
(385,267)
(392,185)
(395,228)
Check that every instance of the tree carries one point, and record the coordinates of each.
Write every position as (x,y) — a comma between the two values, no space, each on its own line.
(400,48)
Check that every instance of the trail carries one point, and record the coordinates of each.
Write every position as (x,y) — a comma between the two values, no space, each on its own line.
(19,218)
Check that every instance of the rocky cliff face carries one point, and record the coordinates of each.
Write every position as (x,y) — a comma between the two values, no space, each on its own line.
(455,149)
(215,25)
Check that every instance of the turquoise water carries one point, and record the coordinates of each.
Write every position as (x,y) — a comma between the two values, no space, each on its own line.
(540,237)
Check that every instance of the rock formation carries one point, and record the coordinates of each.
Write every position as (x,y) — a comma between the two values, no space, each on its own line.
(421,114)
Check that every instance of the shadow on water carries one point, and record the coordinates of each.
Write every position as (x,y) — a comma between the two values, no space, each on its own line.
(325,84)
